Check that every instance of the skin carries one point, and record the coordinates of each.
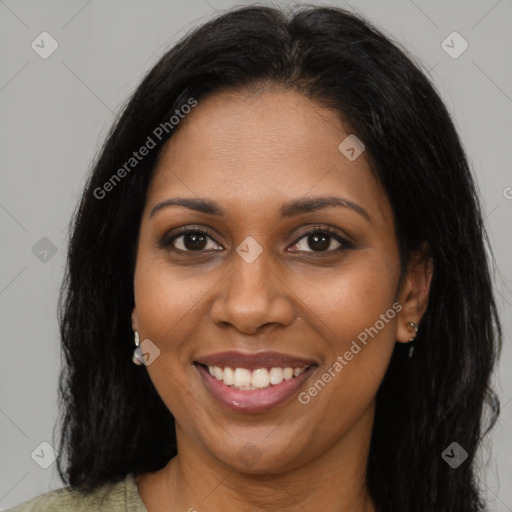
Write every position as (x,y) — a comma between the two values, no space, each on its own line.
(252,151)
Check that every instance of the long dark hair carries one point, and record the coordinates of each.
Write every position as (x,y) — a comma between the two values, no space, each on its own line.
(113,420)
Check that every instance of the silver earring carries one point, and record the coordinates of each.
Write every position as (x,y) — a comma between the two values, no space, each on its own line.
(137,357)
(414,327)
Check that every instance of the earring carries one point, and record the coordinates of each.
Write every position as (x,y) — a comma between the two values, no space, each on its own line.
(137,357)
(414,328)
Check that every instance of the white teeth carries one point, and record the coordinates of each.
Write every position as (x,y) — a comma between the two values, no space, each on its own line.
(288,373)
(276,376)
(242,377)
(218,372)
(229,376)
(260,378)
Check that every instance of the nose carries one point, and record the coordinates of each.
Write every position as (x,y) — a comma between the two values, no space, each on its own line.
(253,295)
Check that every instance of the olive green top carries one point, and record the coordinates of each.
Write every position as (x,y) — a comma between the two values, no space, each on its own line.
(120,497)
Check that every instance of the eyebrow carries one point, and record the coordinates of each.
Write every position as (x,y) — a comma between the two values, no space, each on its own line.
(295,207)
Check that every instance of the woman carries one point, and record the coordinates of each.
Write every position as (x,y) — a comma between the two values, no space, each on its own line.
(283,234)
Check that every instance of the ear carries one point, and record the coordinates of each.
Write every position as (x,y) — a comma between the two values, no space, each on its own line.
(135,325)
(414,293)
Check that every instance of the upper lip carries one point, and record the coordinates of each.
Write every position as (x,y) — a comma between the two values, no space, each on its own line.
(254,360)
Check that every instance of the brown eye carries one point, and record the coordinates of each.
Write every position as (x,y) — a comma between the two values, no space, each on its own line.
(190,240)
(320,240)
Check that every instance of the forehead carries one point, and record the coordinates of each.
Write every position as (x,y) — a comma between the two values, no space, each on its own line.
(248,150)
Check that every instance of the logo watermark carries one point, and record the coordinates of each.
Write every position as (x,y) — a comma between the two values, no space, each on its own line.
(341,361)
(454,455)
(137,156)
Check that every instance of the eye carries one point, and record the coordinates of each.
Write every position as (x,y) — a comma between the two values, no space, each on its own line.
(320,240)
(190,240)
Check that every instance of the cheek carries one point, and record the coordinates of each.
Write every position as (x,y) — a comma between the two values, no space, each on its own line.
(354,311)
(168,299)
(167,310)
(341,303)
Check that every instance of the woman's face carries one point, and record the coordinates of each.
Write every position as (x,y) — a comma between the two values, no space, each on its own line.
(260,281)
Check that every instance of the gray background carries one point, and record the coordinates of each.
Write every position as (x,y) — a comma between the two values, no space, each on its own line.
(55,113)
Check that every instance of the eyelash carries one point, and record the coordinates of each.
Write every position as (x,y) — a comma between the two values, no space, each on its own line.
(166,243)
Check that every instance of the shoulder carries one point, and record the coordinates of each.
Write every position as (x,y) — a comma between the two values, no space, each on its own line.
(122,496)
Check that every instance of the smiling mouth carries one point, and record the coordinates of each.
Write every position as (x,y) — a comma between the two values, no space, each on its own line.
(253,390)
(246,379)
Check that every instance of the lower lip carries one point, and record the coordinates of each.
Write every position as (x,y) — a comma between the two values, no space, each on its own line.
(252,400)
